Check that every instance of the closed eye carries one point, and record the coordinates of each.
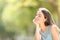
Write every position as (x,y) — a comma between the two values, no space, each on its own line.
(39,16)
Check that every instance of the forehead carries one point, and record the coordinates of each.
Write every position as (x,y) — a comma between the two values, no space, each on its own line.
(39,13)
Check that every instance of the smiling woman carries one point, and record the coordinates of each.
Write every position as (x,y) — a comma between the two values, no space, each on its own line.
(46,28)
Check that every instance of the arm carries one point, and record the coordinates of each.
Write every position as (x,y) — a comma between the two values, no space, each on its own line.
(54,32)
(37,34)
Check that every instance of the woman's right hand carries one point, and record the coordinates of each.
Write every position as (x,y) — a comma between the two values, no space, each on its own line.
(37,34)
(35,21)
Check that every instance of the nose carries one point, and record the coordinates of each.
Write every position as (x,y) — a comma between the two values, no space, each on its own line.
(37,17)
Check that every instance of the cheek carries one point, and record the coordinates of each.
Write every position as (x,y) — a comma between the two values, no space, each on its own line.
(41,19)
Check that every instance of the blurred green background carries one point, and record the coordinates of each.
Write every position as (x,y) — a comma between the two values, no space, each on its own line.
(16,17)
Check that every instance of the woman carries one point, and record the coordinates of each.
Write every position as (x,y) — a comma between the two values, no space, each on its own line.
(46,28)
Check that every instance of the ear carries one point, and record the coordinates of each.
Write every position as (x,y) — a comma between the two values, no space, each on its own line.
(45,18)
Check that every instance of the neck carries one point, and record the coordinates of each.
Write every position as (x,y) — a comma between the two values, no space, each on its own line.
(43,27)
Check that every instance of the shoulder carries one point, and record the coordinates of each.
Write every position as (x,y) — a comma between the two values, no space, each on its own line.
(54,29)
(55,32)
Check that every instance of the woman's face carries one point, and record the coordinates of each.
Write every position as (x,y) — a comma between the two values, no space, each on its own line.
(39,18)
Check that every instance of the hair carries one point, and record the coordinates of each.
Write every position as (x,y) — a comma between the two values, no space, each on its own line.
(47,15)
